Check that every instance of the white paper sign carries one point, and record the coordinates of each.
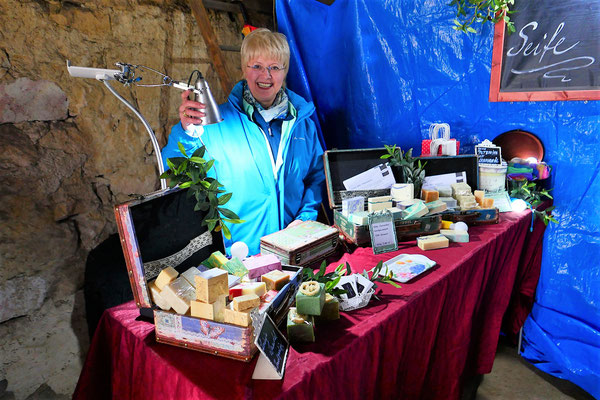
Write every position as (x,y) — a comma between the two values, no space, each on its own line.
(378,177)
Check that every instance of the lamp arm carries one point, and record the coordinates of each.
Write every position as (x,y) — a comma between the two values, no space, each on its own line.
(163,182)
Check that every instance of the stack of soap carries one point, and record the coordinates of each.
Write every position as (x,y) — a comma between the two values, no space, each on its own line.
(178,294)
(212,288)
(300,327)
(436,206)
(402,191)
(157,298)
(460,189)
(432,242)
(429,195)
(331,308)
(261,264)
(275,280)
(235,267)
(216,260)
(379,203)
(455,236)
(257,288)
(359,218)
(310,298)
(466,202)
(415,211)
(352,205)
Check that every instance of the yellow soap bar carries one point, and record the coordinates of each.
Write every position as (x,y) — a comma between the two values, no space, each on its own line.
(165,277)
(487,203)
(157,298)
(432,242)
(479,194)
(257,288)
(429,195)
(211,284)
(213,311)
(245,302)
(275,280)
(179,294)
(446,224)
(240,318)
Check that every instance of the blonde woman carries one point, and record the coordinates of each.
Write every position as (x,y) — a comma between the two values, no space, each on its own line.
(266,150)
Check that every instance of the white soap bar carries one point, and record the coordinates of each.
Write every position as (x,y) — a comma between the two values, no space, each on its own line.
(455,236)
(190,274)
(179,294)
(402,191)
(157,298)
(379,203)
(165,277)
(432,242)
(359,218)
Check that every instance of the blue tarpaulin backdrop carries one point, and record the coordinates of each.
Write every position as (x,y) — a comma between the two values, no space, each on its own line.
(379,72)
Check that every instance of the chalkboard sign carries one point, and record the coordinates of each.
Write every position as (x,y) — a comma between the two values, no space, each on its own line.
(273,346)
(554,54)
(488,155)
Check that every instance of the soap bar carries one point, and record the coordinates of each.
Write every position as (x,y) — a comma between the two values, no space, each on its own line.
(444,191)
(436,206)
(211,284)
(402,191)
(310,298)
(429,195)
(415,211)
(257,288)
(446,224)
(479,194)
(235,267)
(359,218)
(300,328)
(245,302)
(460,189)
(216,260)
(213,311)
(190,274)
(487,202)
(432,242)
(379,203)
(239,318)
(396,213)
(261,264)
(456,236)
(331,308)
(165,277)
(275,280)
(157,298)
(352,205)
(179,294)
(450,202)
(403,205)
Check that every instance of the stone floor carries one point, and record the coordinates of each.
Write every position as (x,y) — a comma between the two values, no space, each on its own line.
(514,378)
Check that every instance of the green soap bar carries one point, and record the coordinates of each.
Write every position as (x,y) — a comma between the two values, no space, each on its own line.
(303,331)
(331,310)
(311,305)
(235,267)
(216,260)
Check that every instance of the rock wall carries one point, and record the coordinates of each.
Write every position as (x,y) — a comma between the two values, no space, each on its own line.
(69,151)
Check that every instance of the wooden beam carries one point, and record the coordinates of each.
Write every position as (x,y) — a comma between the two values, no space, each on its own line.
(210,39)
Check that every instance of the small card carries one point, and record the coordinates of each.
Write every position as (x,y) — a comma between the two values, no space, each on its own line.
(363,285)
(383,232)
(348,283)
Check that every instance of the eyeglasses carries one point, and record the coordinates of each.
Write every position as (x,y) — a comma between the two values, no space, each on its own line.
(273,69)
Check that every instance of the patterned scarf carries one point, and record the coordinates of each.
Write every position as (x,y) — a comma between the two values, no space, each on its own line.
(278,109)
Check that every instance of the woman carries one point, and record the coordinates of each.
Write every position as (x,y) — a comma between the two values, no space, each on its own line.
(266,150)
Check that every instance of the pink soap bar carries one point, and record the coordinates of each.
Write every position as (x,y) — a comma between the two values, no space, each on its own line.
(261,264)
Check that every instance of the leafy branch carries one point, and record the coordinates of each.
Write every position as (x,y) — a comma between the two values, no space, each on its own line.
(377,277)
(330,279)
(412,168)
(192,173)
(469,12)
(529,193)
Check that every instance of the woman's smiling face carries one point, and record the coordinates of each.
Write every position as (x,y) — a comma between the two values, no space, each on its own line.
(265,76)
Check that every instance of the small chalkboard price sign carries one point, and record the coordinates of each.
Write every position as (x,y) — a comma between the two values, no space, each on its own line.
(552,55)
(274,349)
(489,155)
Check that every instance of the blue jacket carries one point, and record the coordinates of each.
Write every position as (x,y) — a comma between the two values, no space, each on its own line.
(245,166)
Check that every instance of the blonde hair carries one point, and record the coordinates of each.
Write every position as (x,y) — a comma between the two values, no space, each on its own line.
(266,43)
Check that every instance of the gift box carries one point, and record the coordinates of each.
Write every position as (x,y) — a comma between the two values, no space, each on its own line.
(439,142)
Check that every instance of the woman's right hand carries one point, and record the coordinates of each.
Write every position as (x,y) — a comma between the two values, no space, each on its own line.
(190,112)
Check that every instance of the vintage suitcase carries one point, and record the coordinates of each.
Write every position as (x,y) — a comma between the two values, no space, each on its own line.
(473,217)
(343,164)
(162,229)
(304,244)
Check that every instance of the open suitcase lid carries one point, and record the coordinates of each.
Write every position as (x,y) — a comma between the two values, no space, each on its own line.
(160,230)
(343,164)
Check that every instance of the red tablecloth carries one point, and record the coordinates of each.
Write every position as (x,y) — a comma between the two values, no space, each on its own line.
(419,341)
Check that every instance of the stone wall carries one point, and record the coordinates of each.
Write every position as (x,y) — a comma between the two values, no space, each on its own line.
(70,151)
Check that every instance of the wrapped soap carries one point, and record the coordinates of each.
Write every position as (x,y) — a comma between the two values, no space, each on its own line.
(300,328)
(402,191)
(436,206)
(190,274)
(352,205)
(310,298)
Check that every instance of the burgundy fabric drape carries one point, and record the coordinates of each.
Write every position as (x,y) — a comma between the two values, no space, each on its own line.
(419,341)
